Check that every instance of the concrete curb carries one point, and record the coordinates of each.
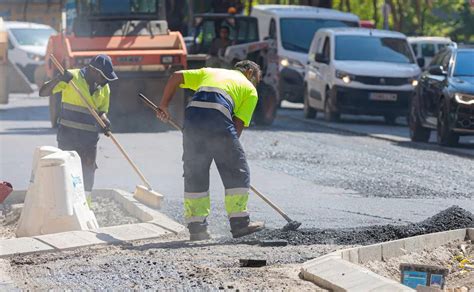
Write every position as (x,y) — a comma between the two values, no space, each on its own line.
(340,270)
(154,225)
(385,137)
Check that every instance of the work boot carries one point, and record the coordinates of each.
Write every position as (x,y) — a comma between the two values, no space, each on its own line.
(198,231)
(242,226)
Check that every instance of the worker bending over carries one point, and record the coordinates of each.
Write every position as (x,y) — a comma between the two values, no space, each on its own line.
(78,130)
(221,107)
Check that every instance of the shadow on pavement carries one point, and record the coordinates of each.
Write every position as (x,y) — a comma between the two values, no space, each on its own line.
(437,148)
(30,113)
(28,131)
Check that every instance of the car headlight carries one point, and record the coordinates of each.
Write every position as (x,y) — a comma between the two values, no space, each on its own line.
(413,81)
(464,98)
(287,62)
(346,77)
(35,57)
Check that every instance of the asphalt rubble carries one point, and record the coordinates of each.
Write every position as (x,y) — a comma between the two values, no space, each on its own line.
(451,218)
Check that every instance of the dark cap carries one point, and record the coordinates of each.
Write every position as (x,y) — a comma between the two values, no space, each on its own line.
(103,64)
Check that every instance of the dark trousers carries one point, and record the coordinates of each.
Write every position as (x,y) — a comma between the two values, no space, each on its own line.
(210,136)
(88,154)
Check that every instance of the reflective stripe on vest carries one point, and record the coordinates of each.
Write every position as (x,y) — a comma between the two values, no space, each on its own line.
(211,105)
(218,90)
(77,117)
(79,126)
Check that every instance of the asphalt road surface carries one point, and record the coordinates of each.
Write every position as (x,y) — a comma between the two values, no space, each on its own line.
(324,175)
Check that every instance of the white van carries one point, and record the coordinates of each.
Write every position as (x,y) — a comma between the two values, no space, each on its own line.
(27,45)
(360,71)
(293,28)
(427,47)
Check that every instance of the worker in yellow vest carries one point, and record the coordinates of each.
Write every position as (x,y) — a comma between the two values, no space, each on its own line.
(214,119)
(78,130)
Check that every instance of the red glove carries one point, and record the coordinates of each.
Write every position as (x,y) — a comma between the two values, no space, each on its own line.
(5,189)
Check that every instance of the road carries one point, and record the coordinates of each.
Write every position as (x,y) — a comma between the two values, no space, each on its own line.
(324,175)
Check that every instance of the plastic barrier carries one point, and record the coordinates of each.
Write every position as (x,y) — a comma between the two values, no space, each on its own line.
(55,200)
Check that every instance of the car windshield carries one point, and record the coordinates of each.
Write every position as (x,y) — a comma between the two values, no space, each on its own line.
(376,49)
(123,7)
(464,64)
(31,36)
(297,33)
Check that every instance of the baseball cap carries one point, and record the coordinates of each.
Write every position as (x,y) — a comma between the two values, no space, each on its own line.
(103,64)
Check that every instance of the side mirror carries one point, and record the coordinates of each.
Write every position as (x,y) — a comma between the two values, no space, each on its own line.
(320,58)
(437,70)
(421,62)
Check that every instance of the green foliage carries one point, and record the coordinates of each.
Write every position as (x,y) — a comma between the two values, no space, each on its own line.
(453,18)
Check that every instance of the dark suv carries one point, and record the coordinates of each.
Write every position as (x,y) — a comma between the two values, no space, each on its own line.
(444,98)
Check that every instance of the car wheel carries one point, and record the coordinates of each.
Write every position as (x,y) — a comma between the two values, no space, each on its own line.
(267,108)
(329,114)
(54,109)
(308,111)
(390,119)
(417,132)
(445,135)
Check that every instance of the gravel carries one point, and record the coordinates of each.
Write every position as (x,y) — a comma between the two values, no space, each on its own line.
(177,265)
(449,219)
(110,213)
(107,211)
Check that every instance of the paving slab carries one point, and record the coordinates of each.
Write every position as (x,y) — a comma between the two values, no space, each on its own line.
(130,232)
(339,271)
(341,275)
(22,245)
(73,239)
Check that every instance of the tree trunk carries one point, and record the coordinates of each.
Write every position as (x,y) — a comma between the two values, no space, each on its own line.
(394,12)
(376,17)
(401,17)
(341,7)
(348,5)
(417,4)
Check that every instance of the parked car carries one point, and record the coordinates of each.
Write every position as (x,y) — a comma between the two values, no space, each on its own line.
(444,98)
(427,47)
(359,71)
(27,45)
(292,27)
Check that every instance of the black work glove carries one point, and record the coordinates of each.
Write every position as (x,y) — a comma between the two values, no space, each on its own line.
(66,77)
(105,119)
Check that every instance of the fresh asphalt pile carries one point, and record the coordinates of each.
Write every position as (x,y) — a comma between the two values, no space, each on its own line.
(454,217)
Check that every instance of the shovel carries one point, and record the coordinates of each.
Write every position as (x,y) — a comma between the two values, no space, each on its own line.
(291,225)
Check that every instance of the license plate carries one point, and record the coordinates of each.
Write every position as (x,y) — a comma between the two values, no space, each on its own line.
(383,96)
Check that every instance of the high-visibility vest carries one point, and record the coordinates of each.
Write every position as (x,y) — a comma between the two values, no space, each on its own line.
(74,113)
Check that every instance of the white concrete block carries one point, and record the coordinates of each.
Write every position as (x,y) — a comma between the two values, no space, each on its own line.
(370,253)
(458,234)
(415,243)
(470,233)
(354,255)
(131,232)
(22,246)
(73,239)
(393,249)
